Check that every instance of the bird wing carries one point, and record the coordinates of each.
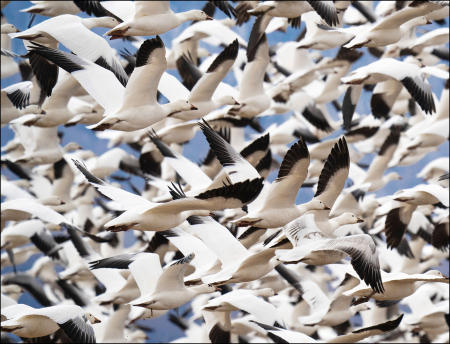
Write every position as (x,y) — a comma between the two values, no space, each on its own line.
(364,257)
(149,8)
(291,175)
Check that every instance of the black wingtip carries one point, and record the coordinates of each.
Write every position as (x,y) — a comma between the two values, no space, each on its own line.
(260,144)
(298,151)
(146,49)
(229,53)
(385,327)
(162,147)
(338,158)
(421,92)
(245,191)
(89,176)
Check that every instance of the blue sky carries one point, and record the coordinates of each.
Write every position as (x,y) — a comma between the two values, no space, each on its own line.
(197,148)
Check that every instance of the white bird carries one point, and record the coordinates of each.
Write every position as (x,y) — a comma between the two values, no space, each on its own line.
(201,95)
(142,214)
(153,18)
(410,75)
(74,33)
(278,203)
(252,98)
(396,286)
(312,247)
(169,291)
(389,29)
(246,300)
(29,322)
(121,103)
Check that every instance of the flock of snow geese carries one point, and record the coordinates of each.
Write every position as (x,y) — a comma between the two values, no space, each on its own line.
(226,237)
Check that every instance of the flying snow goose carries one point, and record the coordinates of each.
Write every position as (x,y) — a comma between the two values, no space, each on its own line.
(170,291)
(389,29)
(325,311)
(252,267)
(409,74)
(41,145)
(252,99)
(278,334)
(246,300)
(201,95)
(142,214)
(292,10)
(9,66)
(396,286)
(29,322)
(398,218)
(55,110)
(74,33)
(154,18)
(434,169)
(52,8)
(205,260)
(278,206)
(121,103)
(320,36)
(312,247)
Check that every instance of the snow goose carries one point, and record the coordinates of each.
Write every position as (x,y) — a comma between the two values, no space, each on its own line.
(19,234)
(70,30)
(154,18)
(121,103)
(389,29)
(246,300)
(435,169)
(312,247)
(409,74)
(250,267)
(41,145)
(142,214)
(278,206)
(238,264)
(9,66)
(398,218)
(252,98)
(325,311)
(52,8)
(170,291)
(55,110)
(28,322)
(205,260)
(204,88)
(322,37)
(292,10)
(396,286)
(278,334)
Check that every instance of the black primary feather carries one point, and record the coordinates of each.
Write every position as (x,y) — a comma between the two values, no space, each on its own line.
(146,49)
(229,53)
(338,158)
(245,191)
(298,151)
